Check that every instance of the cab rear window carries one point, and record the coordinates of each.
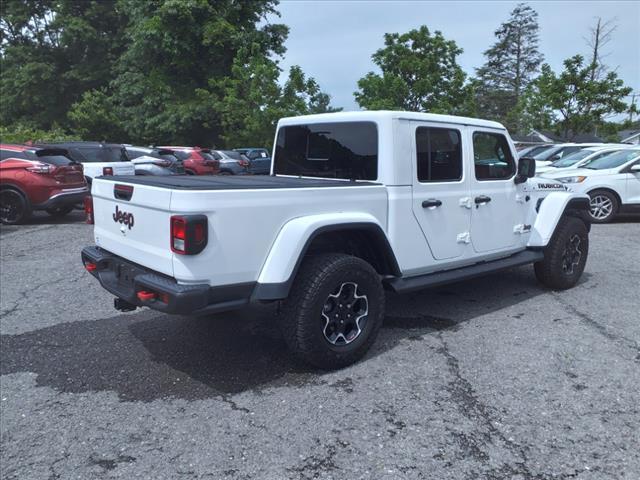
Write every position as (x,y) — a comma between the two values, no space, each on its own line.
(345,150)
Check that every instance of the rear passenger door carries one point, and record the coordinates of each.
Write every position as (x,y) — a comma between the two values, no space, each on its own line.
(441,188)
(495,210)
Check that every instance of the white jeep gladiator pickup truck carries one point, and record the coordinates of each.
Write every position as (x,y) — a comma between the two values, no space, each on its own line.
(357,202)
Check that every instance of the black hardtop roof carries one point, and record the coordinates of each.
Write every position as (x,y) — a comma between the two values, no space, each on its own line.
(79,144)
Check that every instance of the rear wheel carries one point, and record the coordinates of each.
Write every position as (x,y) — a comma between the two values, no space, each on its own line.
(14,207)
(59,212)
(603,206)
(565,256)
(334,310)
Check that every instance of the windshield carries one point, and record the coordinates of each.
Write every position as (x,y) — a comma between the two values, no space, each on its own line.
(546,153)
(346,150)
(572,158)
(531,151)
(614,160)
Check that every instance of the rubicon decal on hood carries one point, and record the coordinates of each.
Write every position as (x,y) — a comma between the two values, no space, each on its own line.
(551,186)
(123,217)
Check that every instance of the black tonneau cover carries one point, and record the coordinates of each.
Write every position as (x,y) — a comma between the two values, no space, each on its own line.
(228,182)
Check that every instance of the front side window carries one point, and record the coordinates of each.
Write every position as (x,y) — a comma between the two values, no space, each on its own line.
(439,154)
(492,156)
(345,150)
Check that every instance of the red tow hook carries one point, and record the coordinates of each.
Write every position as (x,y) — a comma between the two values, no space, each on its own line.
(144,296)
(90,267)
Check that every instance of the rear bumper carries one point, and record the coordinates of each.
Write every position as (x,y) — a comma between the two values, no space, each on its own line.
(64,198)
(125,280)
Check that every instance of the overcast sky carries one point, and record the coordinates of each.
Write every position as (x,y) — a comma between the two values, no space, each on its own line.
(333,40)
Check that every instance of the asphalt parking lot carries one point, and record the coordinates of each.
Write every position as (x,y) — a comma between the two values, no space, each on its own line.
(489,379)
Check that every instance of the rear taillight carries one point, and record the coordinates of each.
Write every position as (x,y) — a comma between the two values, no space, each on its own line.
(243,163)
(41,168)
(107,171)
(189,234)
(88,209)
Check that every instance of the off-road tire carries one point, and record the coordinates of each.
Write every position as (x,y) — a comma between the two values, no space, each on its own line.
(302,318)
(20,208)
(59,212)
(561,269)
(613,204)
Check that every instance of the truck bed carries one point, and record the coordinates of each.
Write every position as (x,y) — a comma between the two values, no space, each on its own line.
(229,182)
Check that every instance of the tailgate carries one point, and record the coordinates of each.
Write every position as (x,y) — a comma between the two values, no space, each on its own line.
(124,168)
(135,225)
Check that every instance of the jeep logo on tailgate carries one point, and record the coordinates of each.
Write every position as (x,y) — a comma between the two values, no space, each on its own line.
(123,217)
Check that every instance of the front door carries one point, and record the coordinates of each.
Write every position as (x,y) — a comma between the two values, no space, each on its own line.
(633,186)
(441,188)
(493,191)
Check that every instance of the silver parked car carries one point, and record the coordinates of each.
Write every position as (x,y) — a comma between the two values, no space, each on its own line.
(154,161)
(231,162)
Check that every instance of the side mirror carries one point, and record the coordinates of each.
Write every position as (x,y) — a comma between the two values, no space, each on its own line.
(635,168)
(526,169)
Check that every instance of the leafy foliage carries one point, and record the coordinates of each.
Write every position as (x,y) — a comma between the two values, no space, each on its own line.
(152,71)
(509,69)
(419,73)
(580,101)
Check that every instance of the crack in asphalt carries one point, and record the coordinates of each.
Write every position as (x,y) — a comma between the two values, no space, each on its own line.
(463,393)
(598,327)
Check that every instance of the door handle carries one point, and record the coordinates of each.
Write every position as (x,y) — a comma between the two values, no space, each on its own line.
(431,203)
(482,199)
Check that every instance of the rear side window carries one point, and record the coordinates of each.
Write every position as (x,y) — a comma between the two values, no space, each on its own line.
(347,150)
(44,156)
(439,154)
(4,154)
(492,156)
(182,155)
(102,154)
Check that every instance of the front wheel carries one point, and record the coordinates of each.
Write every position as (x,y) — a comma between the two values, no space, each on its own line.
(334,310)
(603,206)
(565,256)
(14,207)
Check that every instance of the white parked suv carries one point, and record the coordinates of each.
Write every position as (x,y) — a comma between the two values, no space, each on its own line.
(580,158)
(612,183)
(357,202)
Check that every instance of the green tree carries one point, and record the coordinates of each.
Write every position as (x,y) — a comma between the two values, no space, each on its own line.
(178,54)
(581,102)
(419,73)
(509,68)
(252,101)
(51,53)
(96,117)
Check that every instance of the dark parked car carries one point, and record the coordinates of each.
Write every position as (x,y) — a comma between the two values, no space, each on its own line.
(259,160)
(154,161)
(35,178)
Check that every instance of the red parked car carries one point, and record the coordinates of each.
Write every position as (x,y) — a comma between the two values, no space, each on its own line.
(37,178)
(197,161)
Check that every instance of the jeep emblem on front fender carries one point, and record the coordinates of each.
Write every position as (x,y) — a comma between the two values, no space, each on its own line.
(123,217)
